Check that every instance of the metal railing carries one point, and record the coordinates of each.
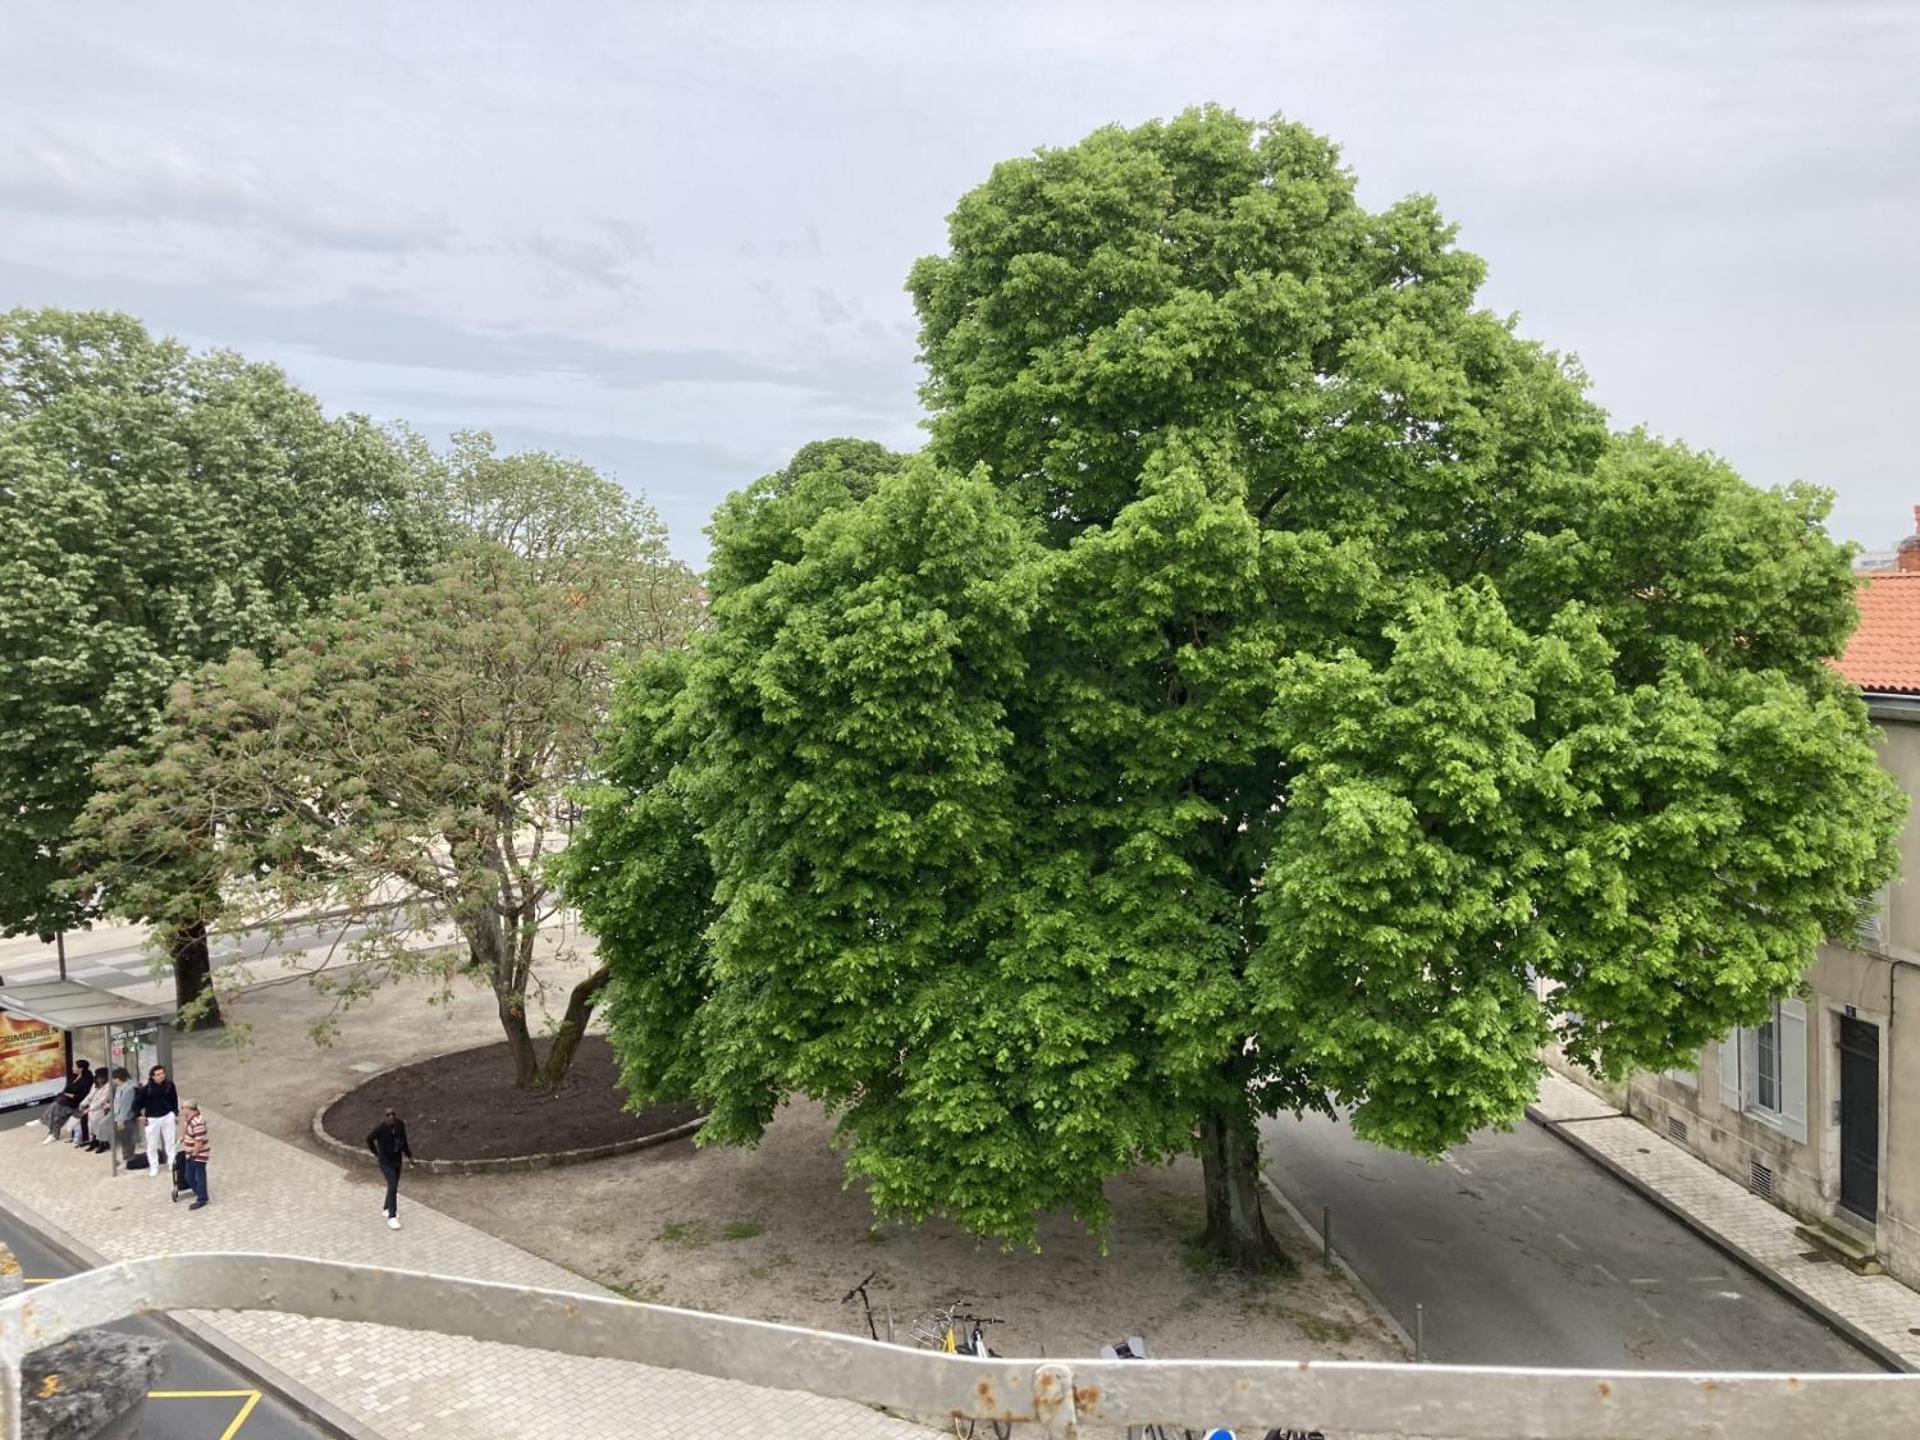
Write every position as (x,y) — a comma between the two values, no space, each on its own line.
(1338,1398)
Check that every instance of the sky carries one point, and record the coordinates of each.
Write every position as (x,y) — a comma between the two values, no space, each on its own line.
(671,239)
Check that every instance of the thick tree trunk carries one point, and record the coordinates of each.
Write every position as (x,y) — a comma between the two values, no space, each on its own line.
(487,945)
(1236,1232)
(193,977)
(572,1026)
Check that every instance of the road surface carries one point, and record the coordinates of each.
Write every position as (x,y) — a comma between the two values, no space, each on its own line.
(199,1396)
(1524,1252)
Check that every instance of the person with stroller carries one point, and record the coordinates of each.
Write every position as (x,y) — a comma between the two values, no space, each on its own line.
(198,1150)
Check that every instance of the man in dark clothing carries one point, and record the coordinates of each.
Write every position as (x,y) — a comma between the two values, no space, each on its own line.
(388,1142)
(68,1102)
(159,1102)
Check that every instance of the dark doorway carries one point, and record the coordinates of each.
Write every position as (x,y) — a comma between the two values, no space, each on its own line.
(1860,1117)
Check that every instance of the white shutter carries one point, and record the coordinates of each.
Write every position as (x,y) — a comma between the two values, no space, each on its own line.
(1730,1093)
(1793,1068)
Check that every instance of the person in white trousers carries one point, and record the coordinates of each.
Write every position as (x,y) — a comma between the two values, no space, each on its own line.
(160,1103)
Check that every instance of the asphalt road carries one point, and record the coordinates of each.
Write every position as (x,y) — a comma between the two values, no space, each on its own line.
(1524,1252)
(199,1396)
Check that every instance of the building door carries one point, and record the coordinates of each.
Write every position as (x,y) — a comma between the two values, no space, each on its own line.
(1860,1117)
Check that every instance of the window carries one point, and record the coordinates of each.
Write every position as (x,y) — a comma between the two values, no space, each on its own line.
(1763,1070)
(1766,1068)
(1874,927)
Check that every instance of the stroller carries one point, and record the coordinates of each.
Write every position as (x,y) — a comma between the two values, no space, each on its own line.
(177,1176)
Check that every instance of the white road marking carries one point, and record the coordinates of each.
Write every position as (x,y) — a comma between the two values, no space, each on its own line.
(1648,1308)
(1612,1278)
(1644,1280)
(1568,1243)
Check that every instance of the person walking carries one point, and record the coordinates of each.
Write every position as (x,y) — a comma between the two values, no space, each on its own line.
(197,1147)
(125,1093)
(68,1102)
(159,1104)
(388,1142)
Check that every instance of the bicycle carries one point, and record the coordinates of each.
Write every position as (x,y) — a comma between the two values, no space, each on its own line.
(1135,1348)
(958,1333)
(951,1330)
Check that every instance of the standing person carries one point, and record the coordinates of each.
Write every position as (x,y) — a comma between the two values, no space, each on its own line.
(159,1103)
(68,1101)
(196,1145)
(99,1112)
(125,1093)
(388,1142)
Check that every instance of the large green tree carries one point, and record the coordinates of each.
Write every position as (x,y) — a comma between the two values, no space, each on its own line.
(157,509)
(1273,675)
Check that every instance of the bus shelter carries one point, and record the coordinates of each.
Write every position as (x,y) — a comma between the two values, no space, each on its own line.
(38,1023)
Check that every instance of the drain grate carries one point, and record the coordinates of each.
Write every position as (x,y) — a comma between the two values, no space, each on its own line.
(1760,1179)
(1676,1129)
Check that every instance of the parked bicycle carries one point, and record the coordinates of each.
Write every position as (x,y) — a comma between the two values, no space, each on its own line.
(946,1328)
(1135,1348)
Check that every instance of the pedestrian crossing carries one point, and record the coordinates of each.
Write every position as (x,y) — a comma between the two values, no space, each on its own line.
(108,969)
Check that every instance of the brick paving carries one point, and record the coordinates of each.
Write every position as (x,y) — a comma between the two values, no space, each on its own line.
(1876,1307)
(269,1196)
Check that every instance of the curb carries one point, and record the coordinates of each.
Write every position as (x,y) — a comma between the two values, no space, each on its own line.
(1360,1287)
(1859,1337)
(504,1164)
(305,1403)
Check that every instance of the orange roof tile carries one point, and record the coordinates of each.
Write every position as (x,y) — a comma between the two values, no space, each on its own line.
(1884,653)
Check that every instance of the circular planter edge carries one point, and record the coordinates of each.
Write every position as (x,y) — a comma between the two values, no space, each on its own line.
(549,1160)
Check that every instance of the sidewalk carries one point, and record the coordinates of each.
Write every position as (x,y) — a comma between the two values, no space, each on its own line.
(1875,1309)
(269,1196)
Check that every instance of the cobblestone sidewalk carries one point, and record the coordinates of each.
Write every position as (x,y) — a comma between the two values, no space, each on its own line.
(269,1196)
(1876,1308)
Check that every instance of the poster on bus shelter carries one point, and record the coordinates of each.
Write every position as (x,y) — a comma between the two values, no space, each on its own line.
(33,1060)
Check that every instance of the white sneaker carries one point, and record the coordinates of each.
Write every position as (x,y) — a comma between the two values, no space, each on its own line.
(50,1139)
(393,1222)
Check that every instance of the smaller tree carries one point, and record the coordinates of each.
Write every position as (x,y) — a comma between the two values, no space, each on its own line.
(404,762)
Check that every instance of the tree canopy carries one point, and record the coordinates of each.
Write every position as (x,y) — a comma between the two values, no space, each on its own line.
(1272,674)
(157,509)
(403,760)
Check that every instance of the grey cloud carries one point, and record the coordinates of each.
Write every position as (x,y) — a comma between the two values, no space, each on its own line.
(58,179)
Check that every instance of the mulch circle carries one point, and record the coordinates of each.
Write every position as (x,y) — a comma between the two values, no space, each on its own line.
(464,1106)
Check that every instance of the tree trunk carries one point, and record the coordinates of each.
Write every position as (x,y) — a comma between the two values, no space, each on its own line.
(1236,1232)
(572,1026)
(193,992)
(513,1020)
(487,945)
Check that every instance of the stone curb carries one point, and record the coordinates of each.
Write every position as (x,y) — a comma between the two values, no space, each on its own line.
(1566,1131)
(1347,1272)
(305,1403)
(503,1164)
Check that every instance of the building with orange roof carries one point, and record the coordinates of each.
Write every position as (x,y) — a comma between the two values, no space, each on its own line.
(1818,1110)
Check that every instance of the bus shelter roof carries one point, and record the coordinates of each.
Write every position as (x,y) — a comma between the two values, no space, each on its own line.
(72,1005)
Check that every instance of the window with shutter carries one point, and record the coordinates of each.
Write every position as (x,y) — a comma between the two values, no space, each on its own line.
(1792,1026)
(1730,1091)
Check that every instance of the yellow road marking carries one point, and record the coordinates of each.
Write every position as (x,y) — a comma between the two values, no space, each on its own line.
(43,1280)
(241,1419)
(252,1398)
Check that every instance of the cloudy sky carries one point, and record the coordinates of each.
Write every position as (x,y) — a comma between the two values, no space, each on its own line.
(671,239)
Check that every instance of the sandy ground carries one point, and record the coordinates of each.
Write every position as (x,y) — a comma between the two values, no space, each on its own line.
(774,1233)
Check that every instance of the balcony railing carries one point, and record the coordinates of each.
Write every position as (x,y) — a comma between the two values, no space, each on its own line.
(1058,1396)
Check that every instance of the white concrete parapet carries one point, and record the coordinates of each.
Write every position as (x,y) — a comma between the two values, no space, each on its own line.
(1439,1402)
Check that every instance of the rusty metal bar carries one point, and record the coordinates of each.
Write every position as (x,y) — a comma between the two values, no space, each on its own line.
(1436,1402)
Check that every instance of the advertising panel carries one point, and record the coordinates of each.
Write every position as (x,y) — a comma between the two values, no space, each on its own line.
(33,1060)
